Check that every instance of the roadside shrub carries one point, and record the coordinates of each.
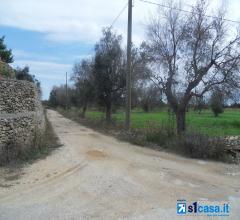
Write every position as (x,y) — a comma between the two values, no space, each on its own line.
(160,134)
(196,145)
(192,143)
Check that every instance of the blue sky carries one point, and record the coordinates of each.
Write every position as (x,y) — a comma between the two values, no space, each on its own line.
(51,35)
(48,61)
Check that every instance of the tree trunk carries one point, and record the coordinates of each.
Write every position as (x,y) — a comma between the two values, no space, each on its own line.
(84,111)
(181,121)
(108,112)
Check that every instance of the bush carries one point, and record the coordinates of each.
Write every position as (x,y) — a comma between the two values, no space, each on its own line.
(200,146)
(192,144)
(160,134)
(217,103)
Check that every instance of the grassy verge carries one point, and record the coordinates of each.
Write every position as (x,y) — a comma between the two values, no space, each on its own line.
(159,135)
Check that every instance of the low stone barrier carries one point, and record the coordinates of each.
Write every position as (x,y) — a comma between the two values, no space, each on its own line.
(22,120)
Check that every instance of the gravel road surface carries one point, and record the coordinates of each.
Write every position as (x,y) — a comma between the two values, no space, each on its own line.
(94,176)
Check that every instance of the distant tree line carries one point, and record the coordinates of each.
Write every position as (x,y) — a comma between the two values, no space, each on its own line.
(187,59)
(100,81)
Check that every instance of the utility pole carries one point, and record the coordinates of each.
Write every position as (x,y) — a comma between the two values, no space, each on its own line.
(66,90)
(129,68)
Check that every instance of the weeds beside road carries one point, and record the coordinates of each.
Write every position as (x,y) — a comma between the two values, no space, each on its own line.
(42,147)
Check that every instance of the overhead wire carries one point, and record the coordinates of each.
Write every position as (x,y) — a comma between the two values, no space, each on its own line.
(186,11)
(118,16)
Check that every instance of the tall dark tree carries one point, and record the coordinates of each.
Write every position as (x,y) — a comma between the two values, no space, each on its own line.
(193,53)
(217,102)
(58,96)
(53,101)
(140,77)
(84,83)
(5,54)
(149,97)
(109,71)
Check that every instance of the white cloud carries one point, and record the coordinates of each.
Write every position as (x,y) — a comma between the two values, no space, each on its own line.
(71,20)
(45,70)
(81,20)
(26,55)
(61,20)
(76,21)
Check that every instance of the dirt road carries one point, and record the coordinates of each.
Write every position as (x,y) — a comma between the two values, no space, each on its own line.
(94,176)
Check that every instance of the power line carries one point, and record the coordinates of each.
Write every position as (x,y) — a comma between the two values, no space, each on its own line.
(186,11)
(114,21)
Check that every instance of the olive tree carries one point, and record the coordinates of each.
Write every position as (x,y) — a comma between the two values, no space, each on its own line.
(109,71)
(191,54)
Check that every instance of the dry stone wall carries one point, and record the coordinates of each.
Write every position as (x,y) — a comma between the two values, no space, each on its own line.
(22,120)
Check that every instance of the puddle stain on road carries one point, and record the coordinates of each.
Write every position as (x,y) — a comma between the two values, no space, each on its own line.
(96,154)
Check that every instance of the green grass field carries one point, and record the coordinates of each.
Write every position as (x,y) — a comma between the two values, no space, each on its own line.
(227,123)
